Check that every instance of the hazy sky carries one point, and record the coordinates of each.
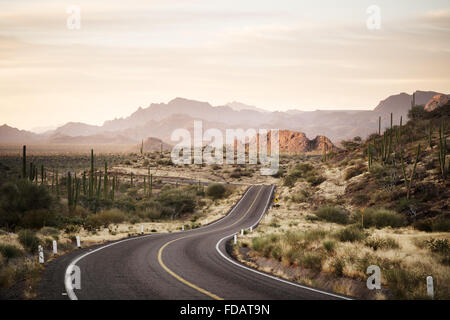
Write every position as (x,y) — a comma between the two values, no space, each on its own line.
(278,55)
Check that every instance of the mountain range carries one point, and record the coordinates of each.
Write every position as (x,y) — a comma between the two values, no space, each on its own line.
(159,120)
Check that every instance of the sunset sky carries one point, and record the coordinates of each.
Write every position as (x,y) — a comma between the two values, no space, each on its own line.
(278,55)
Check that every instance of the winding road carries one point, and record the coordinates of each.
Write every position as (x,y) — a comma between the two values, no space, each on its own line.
(191,265)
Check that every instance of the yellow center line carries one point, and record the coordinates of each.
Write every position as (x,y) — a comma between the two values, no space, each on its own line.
(184,281)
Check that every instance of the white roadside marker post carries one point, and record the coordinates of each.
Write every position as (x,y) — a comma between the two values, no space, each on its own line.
(55,247)
(142,229)
(235,239)
(78,242)
(41,254)
(242,232)
(182,227)
(430,287)
(251,229)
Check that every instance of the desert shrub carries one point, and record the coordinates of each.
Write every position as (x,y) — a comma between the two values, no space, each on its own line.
(329,245)
(333,214)
(417,112)
(104,219)
(258,244)
(179,200)
(350,234)
(29,240)
(49,231)
(301,196)
(10,252)
(438,245)
(361,198)
(406,284)
(289,181)
(292,255)
(311,261)
(315,180)
(310,217)
(23,199)
(301,170)
(378,243)
(314,234)
(380,218)
(216,190)
(36,219)
(349,144)
(353,172)
(338,265)
(404,204)
(266,244)
(441,224)
(276,252)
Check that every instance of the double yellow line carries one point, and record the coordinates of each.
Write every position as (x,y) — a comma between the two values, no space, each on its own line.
(184,281)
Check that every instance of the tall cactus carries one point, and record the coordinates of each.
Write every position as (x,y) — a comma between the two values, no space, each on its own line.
(91,176)
(413,172)
(379,125)
(442,151)
(131,179)
(105,182)
(69,190)
(42,175)
(83,183)
(413,102)
(151,186)
(142,147)
(77,192)
(24,162)
(99,185)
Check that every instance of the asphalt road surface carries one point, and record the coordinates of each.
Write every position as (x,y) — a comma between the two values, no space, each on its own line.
(192,265)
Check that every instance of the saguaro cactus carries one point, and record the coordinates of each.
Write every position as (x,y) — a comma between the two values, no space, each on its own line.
(442,151)
(91,176)
(413,172)
(379,125)
(42,174)
(151,186)
(105,182)
(69,190)
(24,162)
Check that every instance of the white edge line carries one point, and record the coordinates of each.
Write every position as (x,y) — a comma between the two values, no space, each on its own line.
(268,275)
(67,276)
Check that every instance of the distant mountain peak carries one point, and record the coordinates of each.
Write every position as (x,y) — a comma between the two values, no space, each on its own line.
(239,106)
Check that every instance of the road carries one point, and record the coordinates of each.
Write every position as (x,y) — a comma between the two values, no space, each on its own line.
(192,265)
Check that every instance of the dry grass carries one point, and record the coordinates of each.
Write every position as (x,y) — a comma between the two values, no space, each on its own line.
(403,256)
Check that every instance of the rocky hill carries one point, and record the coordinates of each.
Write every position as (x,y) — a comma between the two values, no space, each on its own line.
(161,119)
